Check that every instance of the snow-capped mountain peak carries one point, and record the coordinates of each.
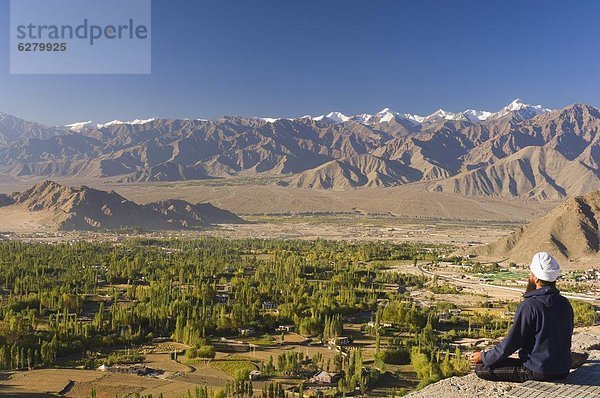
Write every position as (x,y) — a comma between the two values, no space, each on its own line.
(516,105)
(111,123)
(414,118)
(521,110)
(475,115)
(338,117)
(116,122)
(268,119)
(385,111)
(517,108)
(141,121)
(80,126)
(441,114)
(386,115)
(335,117)
(364,118)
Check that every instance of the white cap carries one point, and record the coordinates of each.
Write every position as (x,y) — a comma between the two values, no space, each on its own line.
(545,267)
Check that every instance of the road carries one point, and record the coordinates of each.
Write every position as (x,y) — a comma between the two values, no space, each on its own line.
(517,292)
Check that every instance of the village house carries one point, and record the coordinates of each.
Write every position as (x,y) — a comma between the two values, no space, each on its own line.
(269,305)
(222,288)
(444,316)
(340,341)
(285,328)
(249,331)
(470,343)
(254,375)
(324,377)
(139,370)
(372,324)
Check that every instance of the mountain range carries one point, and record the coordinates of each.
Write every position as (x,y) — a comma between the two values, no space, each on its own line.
(519,151)
(59,207)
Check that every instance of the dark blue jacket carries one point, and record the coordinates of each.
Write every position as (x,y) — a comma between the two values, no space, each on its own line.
(542,332)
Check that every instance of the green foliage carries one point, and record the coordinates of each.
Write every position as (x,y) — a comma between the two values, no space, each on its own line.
(584,313)
(432,366)
(206,351)
(191,353)
(272,390)
(426,369)
(310,326)
(395,356)
(405,315)
(478,268)
(289,363)
(444,289)
(91,296)
(265,340)
(234,368)
(126,357)
(333,327)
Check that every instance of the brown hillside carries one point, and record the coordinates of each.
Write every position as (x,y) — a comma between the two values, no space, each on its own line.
(82,208)
(570,232)
(533,172)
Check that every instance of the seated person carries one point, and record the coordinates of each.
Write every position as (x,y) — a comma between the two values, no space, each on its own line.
(542,331)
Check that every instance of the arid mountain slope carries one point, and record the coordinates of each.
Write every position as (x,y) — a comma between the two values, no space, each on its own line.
(533,172)
(570,232)
(13,129)
(356,171)
(189,215)
(6,200)
(83,208)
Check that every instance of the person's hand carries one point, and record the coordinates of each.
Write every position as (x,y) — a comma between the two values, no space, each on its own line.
(476,357)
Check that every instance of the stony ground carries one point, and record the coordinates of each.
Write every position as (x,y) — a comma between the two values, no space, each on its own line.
(470,386)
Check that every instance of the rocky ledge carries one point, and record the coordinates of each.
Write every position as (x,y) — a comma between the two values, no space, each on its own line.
(582,382)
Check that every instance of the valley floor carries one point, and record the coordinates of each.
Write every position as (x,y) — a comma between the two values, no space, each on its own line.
(31,227)
(245,198)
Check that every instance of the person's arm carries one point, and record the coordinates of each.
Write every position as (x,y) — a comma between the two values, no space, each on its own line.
(513,341)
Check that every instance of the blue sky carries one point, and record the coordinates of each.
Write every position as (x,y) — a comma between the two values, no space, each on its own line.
(292,57)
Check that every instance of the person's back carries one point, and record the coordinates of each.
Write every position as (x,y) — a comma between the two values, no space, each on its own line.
(551,326)
(542,332)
